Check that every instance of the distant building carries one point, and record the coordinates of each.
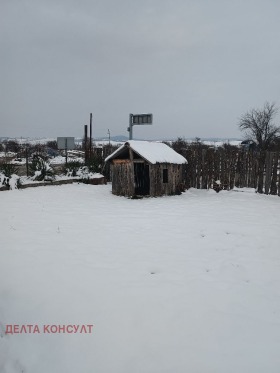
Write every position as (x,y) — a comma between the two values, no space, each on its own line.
(248,144)
(142,168)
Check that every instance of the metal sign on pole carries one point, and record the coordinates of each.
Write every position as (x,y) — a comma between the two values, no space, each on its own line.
(138,119)
(66,143)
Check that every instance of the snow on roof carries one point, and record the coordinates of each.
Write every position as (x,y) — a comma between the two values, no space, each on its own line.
(153,152)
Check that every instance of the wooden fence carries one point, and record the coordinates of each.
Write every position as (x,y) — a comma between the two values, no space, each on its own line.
(233,167)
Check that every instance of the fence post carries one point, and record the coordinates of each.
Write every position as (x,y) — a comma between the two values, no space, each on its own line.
(268,171)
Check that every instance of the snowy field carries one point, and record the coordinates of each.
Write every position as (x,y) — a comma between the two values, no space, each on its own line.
(183,284)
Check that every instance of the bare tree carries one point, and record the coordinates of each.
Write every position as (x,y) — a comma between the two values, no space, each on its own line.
(258,126)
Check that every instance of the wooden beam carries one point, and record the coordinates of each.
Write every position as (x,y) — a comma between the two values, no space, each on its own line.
(121,161)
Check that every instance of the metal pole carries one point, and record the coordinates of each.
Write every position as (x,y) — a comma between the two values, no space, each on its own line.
(90,136)
(86,145)
(66,147)
(130,126)
(26,158)
(109,137)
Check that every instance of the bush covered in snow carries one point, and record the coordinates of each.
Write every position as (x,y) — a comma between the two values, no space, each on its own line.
(71,168)
(8,177)
(78,169)
(8,169)
(94,164)
(86,175)
(11,182)
(41,169)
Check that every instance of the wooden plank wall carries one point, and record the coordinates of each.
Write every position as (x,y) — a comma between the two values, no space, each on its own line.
(175,179)
(234,167)
(123,178)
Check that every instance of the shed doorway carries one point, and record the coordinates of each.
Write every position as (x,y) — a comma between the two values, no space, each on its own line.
(142,179)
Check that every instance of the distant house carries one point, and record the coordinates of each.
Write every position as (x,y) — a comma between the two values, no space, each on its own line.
(249,144)
(142,168)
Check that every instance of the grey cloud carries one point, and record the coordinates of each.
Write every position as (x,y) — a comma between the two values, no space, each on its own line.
(196,65)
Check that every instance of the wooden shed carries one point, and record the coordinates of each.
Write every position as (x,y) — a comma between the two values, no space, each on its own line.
(142,168)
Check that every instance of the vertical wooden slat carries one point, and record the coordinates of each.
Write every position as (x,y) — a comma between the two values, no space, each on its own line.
(261,164)
(273,186)
(204,179)
(198,168)
(268,171)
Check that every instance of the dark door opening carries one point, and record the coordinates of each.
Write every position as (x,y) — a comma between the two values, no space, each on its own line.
(142,179)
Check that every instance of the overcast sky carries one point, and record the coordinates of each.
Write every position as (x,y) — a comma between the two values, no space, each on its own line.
(197,65)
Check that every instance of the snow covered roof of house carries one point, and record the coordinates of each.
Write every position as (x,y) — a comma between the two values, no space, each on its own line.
(152,152)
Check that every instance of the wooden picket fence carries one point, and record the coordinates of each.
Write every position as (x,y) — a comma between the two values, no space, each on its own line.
(233,167)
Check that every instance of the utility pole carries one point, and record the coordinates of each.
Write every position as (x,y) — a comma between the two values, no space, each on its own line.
(90,136)
(130,126)
(26,159)
(66,147)
(109,137)
(86,143)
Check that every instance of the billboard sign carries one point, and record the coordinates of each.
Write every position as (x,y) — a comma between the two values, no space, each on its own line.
(142,119)
(66,143)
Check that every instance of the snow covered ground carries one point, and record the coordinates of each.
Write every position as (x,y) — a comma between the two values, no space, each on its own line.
(177,284)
